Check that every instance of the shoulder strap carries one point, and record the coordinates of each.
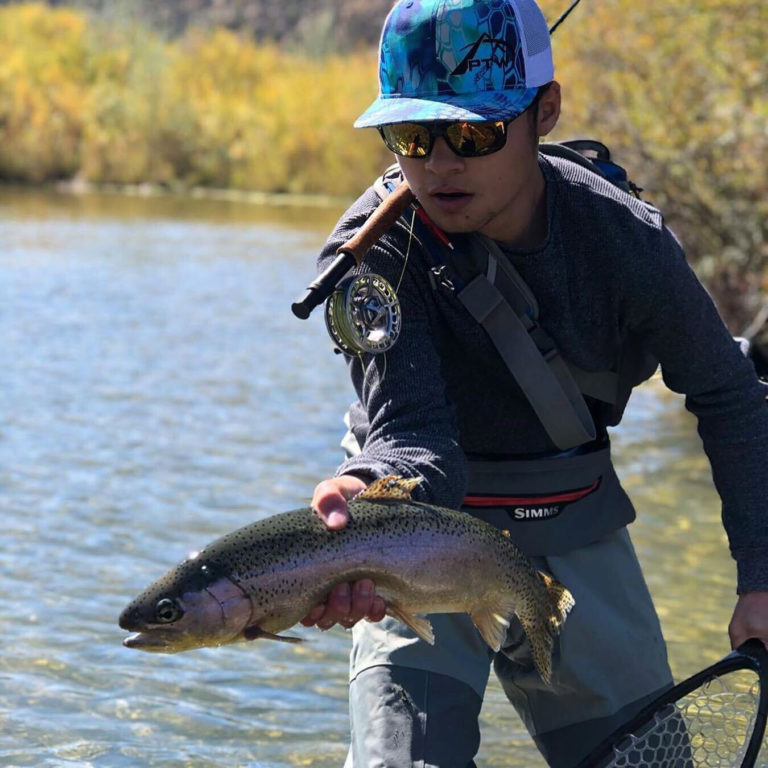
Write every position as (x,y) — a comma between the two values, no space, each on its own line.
(594,156)
(600,385)
(543,377)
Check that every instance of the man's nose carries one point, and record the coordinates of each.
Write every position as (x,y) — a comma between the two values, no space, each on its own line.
(442,158)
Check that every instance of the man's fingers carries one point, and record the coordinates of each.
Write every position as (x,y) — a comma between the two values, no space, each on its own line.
(330,504)
(750,618)
(378,609)
(314,615)
(346,605)
(331,496)
(362,599)
(338,606)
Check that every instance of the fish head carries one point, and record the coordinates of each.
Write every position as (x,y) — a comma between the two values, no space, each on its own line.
(195,605)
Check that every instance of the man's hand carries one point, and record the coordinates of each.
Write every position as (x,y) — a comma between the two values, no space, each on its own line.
(347,603)
(750,619)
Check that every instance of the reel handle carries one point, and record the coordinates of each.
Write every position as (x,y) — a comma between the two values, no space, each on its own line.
(353,252)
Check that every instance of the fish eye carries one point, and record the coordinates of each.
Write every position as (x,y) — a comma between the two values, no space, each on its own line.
(167,611)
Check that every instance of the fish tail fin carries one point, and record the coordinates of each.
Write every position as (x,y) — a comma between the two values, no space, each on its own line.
(541,640)
(560,599)
(421,626)
(544,624)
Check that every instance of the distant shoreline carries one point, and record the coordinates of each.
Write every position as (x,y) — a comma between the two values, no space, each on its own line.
(78,187)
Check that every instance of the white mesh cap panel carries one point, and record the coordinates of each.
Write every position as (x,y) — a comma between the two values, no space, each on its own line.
(539,67)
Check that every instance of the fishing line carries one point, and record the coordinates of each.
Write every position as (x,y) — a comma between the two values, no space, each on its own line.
(407,250)
(396,289)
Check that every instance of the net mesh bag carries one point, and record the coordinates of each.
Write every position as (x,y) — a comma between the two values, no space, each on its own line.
(708,728)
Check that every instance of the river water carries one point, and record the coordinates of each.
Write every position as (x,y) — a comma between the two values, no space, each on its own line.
(157,392)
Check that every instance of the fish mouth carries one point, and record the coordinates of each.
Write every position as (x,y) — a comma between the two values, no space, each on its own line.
(153,643)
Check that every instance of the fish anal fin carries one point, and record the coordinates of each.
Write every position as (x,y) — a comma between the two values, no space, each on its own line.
(418,624)
(390,487)
(255,632)
(492,621)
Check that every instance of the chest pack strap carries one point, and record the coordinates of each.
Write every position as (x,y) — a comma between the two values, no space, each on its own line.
(600,385)
(541,374)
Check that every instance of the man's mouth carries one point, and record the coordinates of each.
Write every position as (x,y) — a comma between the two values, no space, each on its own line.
(450,200)
(449,194)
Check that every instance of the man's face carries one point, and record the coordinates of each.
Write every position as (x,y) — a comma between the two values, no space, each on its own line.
(486,194)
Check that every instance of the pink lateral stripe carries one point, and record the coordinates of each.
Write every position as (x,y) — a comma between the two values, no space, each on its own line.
(508,501)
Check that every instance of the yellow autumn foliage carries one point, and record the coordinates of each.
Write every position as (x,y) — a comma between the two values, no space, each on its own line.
(121,105)
(679,92)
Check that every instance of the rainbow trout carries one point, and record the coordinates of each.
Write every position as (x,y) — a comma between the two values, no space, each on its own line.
(263,578)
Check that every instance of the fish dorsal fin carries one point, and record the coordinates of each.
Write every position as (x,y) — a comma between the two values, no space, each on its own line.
(390,487)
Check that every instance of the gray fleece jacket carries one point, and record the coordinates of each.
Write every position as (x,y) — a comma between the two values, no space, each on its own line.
(609,269)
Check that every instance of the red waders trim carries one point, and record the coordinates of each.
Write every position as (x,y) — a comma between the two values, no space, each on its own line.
(511,501)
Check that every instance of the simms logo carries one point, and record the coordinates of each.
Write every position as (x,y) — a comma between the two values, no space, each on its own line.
(497,56)
(536,513)
(534,506)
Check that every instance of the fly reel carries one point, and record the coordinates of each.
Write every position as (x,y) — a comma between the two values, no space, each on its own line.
(363,315)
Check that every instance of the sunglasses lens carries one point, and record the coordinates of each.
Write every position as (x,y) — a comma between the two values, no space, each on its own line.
(474,139)
(406,139)
(465,139)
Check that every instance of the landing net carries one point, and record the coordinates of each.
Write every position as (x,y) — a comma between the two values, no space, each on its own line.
(708,728)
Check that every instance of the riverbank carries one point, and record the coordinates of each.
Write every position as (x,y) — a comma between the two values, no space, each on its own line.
(147,190)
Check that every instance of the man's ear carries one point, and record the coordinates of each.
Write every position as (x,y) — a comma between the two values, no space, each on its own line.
(549,109)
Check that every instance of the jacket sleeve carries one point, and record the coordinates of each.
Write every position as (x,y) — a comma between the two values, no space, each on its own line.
(411,426)
(700,359)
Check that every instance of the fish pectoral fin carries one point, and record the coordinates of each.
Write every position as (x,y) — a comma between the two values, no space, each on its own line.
(390,487)
(255,632)
(418,624)
(492,621)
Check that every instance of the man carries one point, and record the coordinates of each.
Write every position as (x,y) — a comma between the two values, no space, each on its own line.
(467,91)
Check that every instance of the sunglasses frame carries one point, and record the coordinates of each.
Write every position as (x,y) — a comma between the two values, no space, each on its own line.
(439,129)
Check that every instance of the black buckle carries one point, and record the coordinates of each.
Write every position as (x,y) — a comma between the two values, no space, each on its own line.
(543,341)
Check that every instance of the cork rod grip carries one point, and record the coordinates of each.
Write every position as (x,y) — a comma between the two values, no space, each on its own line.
(378,223)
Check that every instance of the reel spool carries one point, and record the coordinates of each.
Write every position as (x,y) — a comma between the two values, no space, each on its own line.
(363,315)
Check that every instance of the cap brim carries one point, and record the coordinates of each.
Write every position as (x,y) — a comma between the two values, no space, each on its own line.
(490,105)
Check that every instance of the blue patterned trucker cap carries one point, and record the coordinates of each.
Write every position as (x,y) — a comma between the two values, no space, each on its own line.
(460,60)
